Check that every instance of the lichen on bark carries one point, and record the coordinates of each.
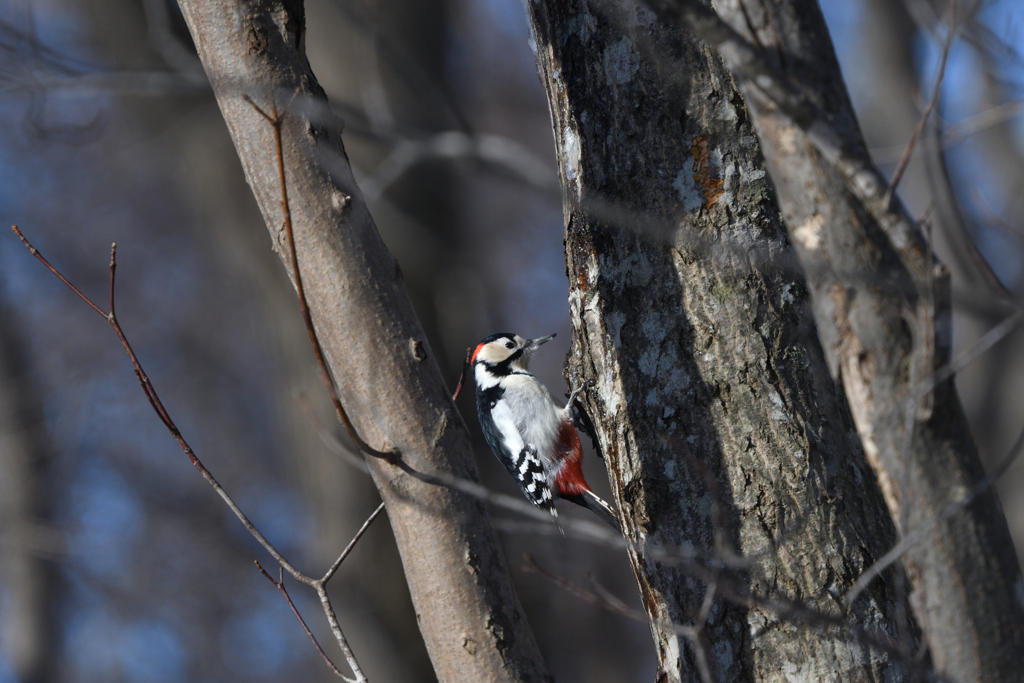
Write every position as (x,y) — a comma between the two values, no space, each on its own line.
(722,430)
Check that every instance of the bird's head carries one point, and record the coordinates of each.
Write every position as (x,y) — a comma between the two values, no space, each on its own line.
(505,347)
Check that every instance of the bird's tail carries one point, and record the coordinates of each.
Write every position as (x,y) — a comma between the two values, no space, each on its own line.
(554,518)
(600,508)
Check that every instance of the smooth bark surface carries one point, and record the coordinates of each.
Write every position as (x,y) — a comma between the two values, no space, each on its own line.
(722,429)
(469,615)
(870,294)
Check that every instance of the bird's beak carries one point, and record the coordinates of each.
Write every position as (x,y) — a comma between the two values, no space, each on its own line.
(533,344)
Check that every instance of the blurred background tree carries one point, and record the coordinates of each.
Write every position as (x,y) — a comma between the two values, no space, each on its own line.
(117,562)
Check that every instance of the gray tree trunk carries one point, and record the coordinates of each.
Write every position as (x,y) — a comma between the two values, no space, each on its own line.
(723,431)
(469,615)
(883,312)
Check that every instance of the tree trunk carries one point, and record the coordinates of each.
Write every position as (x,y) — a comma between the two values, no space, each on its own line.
(26,539)
(469,614)
(722,429)
(869,292)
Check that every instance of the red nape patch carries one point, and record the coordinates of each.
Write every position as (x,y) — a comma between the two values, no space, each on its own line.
(475,352)
(569,452)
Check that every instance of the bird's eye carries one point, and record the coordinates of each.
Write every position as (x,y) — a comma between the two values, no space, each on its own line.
(509,345)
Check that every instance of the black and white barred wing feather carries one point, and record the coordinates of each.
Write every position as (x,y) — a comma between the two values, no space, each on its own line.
(533,480)
(522,461)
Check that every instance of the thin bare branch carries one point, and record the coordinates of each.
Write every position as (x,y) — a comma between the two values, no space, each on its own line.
(35,252)
(462,377)
(320,586)
(332,619)
(31,67)
(352,544)
(601,598)
(964,129)
(275,121)
(583,528)
(734,589)
(709,601)
(432,93)
(279,585)
(158,407)
(909,150)
(968,356)
(993,116)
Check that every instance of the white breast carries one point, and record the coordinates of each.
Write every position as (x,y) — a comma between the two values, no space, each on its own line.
(534,413)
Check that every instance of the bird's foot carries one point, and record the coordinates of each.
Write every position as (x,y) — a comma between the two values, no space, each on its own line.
(578,387)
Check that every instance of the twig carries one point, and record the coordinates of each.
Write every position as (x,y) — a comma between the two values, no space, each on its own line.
(600,596)
(909,150)
(158,405)
(431,92)
(989,215)
(462,377)
(352,544)
(602,599)
(705,608)
(466,486)
(720,522)
(605,594)
(320,586)
(967,356)
(583,528)
(339,636)
(714,571)
(921,391)
(371,83)
(981,121)
(275,122)
(943,189)
(325,601)
(279,585)
(732,588)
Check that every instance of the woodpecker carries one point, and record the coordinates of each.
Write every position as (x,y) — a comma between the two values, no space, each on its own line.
(533,438)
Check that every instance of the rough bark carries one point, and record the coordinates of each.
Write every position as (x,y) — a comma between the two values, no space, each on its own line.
(469,614)
(721,427)
(869,293)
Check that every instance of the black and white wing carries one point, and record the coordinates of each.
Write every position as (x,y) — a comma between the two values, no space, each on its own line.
(529,472)
(519,458)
